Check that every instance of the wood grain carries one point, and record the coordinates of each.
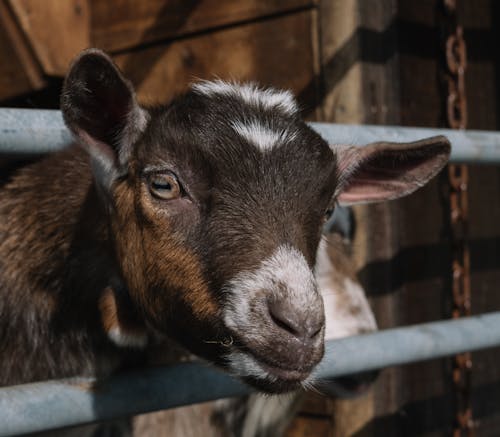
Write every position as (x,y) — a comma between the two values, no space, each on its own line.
(57,30)
(304,426)
(122,24)
(19,70)
(276,52)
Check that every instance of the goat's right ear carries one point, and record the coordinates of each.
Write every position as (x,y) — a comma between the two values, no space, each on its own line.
(99,106)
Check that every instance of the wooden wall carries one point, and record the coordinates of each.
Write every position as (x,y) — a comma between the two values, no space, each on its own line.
(162,46)
(382,64)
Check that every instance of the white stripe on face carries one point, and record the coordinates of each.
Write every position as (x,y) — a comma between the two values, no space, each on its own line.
(269,98)
(285,274)
(261,136)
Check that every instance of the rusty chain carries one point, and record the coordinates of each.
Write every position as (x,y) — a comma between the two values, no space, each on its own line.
(456,110)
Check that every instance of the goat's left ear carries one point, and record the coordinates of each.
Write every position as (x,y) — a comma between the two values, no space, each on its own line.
(384,171)
(100,108)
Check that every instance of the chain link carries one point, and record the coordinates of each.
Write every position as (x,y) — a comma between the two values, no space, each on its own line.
(456,62)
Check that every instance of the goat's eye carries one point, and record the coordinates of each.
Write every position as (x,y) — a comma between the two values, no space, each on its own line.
(328,213)
(164,186)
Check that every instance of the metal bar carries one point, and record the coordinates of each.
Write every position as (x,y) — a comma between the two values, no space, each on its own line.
(468,146)
(47,405)
(30,131)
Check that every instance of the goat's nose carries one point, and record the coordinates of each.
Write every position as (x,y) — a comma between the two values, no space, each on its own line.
(303,323)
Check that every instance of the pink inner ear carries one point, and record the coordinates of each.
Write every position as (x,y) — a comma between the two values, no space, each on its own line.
(98,149)
(381,176)
(372,190)
(385,171)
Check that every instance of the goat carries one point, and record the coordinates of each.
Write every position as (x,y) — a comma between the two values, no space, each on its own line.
(196,221)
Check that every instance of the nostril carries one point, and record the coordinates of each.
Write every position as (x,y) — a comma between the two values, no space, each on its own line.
(303,323)
(278,314)
(317,331)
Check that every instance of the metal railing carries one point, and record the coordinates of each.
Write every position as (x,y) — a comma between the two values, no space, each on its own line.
(28,131)
(54,404)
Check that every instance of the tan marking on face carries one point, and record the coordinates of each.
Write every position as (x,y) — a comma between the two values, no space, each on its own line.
(151,256)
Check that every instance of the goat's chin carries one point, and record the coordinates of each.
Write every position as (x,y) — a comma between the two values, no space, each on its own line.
(273,387)
(348,387)
(263,376)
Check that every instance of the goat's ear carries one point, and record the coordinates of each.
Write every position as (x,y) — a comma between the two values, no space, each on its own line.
(99,106)
(384,171)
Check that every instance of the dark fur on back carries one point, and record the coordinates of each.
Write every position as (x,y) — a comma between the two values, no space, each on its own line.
(54,261)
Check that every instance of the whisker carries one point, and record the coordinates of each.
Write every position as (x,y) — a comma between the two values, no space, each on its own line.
(226,342)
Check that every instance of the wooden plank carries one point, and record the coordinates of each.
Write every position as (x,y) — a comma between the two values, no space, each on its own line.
(13,79)
(360,88)
(306,426)
(422,94)
(19,71)
(352,415)
(314,403)
(121,24)
(418,399)
(274,52)
(57,30)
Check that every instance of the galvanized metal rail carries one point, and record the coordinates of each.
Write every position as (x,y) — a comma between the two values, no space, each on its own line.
(54,404)
(29,131)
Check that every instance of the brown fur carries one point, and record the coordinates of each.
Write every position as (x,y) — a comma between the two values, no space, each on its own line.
(59,266)
(116,316)
(53,238)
